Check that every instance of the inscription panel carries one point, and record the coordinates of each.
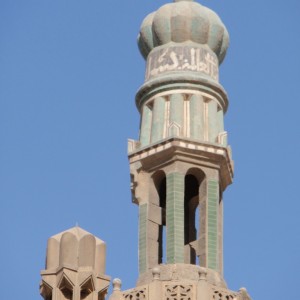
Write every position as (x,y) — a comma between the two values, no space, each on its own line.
(182,58)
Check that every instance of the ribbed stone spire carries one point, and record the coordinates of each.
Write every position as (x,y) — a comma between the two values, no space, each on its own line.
(75,267)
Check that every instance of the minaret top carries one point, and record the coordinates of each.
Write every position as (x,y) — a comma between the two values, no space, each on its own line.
(184,21)
(75,267)
(76,248)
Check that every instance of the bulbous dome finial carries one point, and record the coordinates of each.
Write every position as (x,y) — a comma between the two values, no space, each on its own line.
(183,21)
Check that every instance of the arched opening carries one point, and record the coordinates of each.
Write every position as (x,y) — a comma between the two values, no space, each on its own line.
(161,188)
(66,289)
(101,295)
(46,291)
(193,179)
(86,292)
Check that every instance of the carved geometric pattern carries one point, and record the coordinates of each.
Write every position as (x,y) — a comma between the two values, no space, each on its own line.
(136,294)
(220,294)
(179,292)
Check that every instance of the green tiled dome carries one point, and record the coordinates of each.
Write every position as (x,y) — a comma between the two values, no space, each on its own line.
(183,21)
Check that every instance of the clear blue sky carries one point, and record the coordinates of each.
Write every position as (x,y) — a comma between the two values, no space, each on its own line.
(69,71)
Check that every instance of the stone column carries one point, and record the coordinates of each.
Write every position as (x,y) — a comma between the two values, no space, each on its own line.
(220,120)
(212,123)
(176,115)
(175,218)
(196,117)
(143,238)
(146,126)
(203,224)
(220,235)
(212,224)
(158,120)
(220,126)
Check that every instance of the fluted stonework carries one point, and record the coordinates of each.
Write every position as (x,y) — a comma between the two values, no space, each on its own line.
(75,267)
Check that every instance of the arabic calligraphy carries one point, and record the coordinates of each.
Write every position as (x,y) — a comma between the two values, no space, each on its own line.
(178,58)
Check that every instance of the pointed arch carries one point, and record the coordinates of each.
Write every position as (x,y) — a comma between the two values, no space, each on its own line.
(46,291)
(86,289)
(66,288)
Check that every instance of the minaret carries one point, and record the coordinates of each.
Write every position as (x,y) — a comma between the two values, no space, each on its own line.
(75,267)
(181,164)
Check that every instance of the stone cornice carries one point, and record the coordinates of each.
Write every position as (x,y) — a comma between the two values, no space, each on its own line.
(169,150)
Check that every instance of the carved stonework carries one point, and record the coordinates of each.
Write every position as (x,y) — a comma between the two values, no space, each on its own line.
(178,292)
(136,294)
(182,58)
(75,267)
(221,294)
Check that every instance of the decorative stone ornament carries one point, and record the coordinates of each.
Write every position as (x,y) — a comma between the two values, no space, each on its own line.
(75,267)
(184,21)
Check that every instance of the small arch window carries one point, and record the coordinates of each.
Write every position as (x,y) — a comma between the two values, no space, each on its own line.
(66,289)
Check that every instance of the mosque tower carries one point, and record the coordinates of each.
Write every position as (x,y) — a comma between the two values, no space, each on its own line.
(179,169)
(181,164)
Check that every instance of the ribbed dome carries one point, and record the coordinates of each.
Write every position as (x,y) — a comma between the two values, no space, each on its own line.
(182,21)
(76,248)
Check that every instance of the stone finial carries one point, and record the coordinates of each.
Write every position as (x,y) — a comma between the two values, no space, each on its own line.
(116,294)
(202,273)
(243,294)
(117,284)
(156,273)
